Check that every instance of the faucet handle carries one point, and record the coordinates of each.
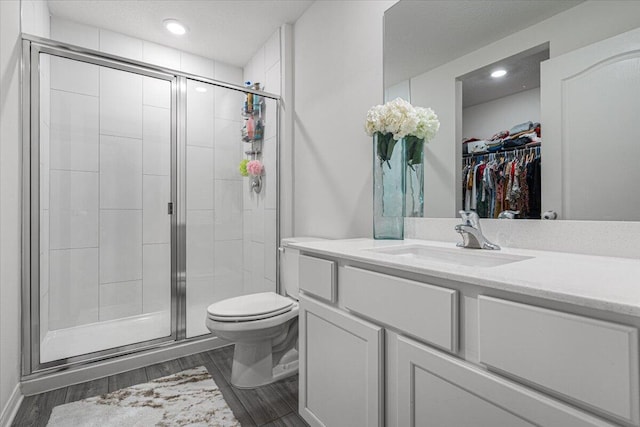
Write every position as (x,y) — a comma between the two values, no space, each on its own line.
(470,218)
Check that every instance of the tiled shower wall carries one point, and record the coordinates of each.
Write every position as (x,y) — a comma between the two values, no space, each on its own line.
(260,209)
(135,284)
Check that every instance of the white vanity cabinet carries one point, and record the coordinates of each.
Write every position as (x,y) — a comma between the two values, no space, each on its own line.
(377,349)
(341,368)
(435,389)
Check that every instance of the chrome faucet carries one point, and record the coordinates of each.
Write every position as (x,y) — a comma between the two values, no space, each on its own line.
(471,232)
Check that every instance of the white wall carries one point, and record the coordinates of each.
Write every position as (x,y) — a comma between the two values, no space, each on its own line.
(10,199)
(260,208)
(484,120)
(338,77)
(438,88)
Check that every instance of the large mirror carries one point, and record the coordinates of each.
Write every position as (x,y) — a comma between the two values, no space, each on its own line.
(572,85)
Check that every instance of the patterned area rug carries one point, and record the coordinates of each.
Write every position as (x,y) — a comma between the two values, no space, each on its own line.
(188,398)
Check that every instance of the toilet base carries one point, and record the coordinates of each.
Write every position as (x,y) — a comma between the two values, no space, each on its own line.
(253,365)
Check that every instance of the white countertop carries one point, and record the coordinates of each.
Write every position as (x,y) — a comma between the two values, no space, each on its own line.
(605,283)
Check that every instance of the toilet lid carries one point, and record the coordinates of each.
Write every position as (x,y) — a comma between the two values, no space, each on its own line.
(249,307)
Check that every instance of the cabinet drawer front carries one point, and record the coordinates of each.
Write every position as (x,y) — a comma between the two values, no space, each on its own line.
(318,277)
(590,362)
(441,390)
(427,312)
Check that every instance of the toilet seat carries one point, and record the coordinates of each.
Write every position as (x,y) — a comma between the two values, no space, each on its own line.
(249,307)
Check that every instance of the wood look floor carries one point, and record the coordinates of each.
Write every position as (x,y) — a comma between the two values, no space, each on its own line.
(273,405)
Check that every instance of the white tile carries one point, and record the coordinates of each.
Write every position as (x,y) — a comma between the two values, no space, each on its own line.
(44,252)
(119,300)
(73,210)
(45,89)
(120,246)
(156,92)
(157,124)
(73,289)
(270,249)
(156,158)
(272,79)
(199,178)
(156,136)
(247,226)
(161,55)
(74,33)
(228,269)
(156,222)
(270,172)
(249,197)
(229,146)
(257,229)
(200,244)
(120,173)
(270,285)
(74,76)
(229,212)
(272,50)
(198,65)
(270,123)
(247,282)
(257,68)
(200,106)
(120,103)
(156,278)
(120,45)
(228,73)
(74,131)
(45,162)
(228,103)
(257,267)
(199,297)
(44,316)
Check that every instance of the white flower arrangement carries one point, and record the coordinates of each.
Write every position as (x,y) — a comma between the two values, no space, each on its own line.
(401,119)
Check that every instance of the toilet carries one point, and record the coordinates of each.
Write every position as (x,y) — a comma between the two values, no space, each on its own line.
(263,327)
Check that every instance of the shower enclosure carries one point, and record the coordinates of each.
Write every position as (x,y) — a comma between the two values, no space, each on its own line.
(135,215)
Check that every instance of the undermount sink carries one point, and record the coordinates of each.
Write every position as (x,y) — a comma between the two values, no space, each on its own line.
(457,256)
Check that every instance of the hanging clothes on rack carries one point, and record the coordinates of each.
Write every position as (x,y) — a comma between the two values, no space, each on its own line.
(507,180)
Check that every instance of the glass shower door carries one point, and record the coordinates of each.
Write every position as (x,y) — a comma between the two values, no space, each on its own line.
(105,183)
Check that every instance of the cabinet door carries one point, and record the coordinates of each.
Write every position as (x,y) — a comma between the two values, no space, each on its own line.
(434,389)
(340,368)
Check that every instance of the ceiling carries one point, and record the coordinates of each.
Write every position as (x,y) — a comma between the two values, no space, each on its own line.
(423,34)
(229,31)
(523,73)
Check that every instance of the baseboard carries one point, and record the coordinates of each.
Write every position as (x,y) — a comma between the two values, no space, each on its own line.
(11,408)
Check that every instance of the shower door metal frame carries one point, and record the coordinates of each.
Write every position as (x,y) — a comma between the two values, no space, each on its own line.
(30,87)
(31,202)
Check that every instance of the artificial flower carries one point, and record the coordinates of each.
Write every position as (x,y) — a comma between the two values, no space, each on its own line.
(398,119)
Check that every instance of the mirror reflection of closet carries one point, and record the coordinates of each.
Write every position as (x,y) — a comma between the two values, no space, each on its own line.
(502,137)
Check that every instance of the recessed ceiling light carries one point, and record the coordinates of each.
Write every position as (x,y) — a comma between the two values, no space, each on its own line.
(201,89)
(499,73)
(174,27)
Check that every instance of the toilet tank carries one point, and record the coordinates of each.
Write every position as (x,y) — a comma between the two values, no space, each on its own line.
(289,264)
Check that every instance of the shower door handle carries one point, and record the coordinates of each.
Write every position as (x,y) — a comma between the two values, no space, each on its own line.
(170,208)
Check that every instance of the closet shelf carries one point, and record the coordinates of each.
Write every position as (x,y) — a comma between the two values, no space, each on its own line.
(504,150)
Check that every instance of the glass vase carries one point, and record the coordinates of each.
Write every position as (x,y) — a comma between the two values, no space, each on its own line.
(389,175)
(414,180)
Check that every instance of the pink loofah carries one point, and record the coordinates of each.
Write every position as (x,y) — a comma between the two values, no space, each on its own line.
(255,168)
